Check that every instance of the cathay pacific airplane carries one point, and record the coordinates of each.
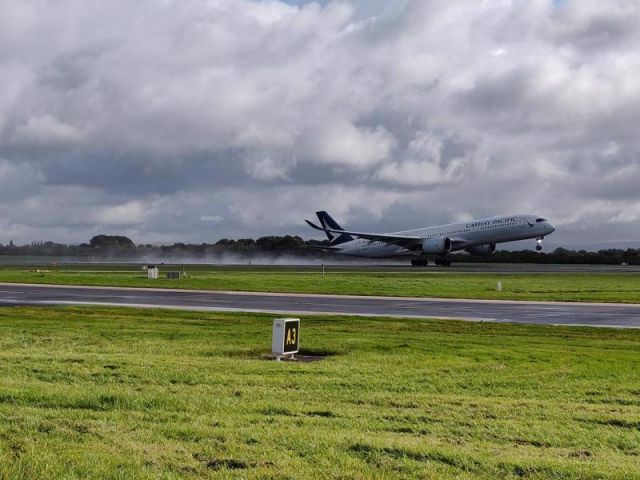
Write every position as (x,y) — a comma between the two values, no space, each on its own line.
(478,237)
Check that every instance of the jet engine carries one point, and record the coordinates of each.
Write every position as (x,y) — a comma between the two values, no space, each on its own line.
(436,246)
(482,249)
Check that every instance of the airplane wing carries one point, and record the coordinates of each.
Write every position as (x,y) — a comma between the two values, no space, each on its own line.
(408,242)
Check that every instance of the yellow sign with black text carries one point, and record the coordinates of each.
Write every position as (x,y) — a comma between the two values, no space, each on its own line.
(291,336)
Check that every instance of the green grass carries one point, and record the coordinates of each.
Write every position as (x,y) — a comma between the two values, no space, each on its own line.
(125,393)
(588,287)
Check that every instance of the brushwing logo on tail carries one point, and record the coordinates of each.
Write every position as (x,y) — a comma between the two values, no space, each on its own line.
(332,236)
(329,223)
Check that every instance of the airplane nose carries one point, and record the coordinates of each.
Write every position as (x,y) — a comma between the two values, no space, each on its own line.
(551,227)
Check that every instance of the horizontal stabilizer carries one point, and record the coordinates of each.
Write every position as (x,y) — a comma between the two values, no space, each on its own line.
(313,225)
(327,248)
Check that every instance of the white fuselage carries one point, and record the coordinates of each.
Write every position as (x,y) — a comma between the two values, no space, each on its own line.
(484,231)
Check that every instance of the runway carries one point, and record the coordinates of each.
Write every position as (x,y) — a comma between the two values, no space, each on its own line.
(553,313)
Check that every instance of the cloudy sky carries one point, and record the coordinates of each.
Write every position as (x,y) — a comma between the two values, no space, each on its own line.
(193,120)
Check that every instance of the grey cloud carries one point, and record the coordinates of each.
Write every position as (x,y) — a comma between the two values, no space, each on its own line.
(493,97)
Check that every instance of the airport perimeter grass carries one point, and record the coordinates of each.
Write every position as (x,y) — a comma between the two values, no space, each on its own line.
(585,287)
(125,393)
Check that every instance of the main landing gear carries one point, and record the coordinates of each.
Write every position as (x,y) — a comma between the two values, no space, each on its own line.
(443,261)
(420,262)
(539,243)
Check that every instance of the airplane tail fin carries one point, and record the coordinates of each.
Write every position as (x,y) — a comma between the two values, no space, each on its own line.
(329,223)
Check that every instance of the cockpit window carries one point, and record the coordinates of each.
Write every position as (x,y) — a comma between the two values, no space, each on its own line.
(538,220)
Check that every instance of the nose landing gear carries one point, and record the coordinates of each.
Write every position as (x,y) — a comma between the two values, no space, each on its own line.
(539,243)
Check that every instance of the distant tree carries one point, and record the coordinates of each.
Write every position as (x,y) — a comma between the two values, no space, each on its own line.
(111,242)
(632,256)
(245,243)
(280,244)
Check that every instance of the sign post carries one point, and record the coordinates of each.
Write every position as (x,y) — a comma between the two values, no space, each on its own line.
(152,272)
(285,339)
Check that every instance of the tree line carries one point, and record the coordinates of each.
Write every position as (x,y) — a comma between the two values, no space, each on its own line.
(294,246)
(121,246)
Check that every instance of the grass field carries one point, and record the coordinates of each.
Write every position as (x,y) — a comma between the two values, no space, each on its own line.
(124,393)
(589,287)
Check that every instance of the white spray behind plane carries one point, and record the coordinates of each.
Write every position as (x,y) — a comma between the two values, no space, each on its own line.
(478,237)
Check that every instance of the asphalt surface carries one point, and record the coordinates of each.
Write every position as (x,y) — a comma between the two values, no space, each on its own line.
(601,315)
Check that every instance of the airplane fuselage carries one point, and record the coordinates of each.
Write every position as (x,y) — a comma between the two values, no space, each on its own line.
(464,235)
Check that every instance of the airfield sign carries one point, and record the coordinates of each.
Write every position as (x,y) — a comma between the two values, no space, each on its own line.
(286,336)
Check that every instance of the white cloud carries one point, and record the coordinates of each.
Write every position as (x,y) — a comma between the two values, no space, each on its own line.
(346,145)
(425,165)
(130,213)
(212,219)
(45,130)
(267,168)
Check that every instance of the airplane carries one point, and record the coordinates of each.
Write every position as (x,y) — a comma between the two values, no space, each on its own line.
(478,237)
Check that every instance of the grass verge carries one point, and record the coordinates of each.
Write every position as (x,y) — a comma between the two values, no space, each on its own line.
(583,287)
(125,393)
